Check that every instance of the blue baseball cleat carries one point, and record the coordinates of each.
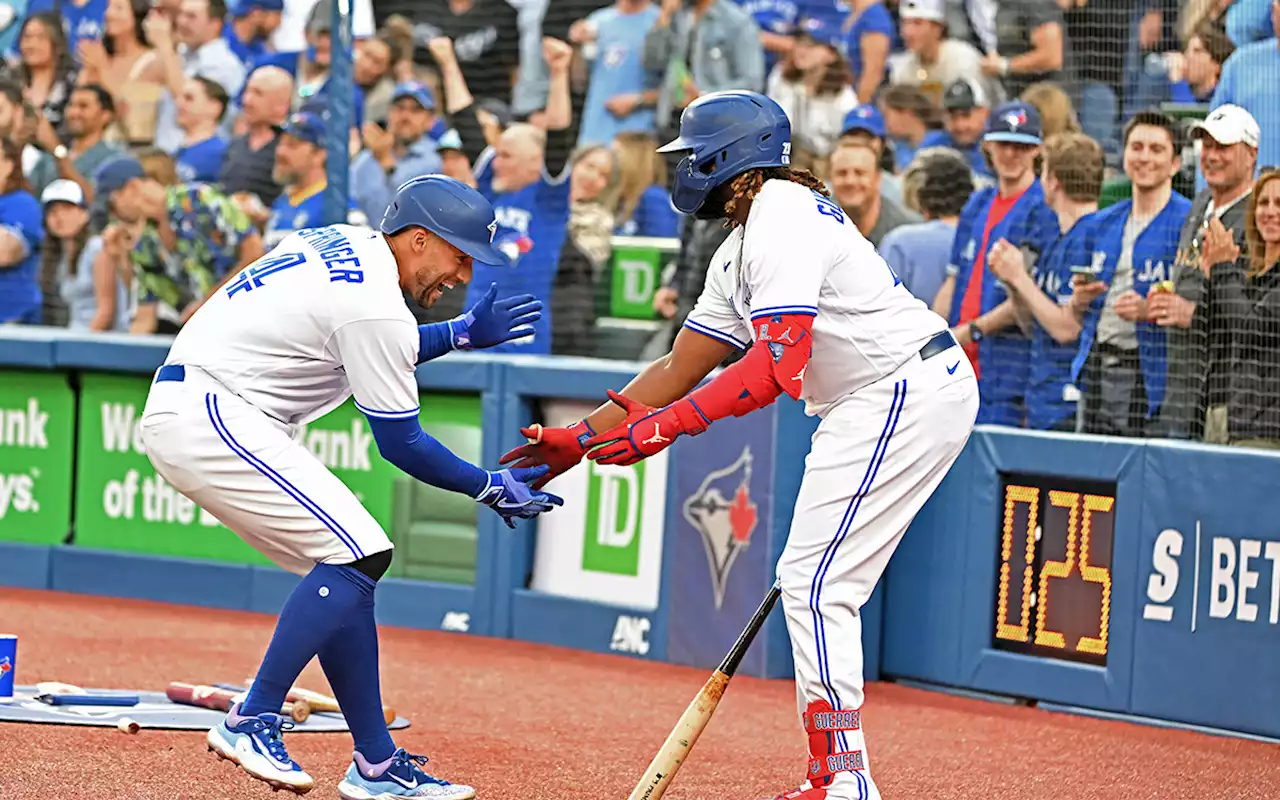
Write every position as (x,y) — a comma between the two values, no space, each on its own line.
(398,776)
(256,745)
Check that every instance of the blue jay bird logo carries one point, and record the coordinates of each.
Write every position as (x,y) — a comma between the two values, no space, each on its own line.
(721,510)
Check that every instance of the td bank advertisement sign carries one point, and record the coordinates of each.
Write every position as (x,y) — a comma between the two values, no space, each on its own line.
(37,423)
(122,504)
(605,543)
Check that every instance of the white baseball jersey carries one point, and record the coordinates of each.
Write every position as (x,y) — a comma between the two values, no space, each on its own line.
(800,253)
(300,330)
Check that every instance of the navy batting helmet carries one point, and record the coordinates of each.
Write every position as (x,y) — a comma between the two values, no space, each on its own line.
(448,208)
(724,134)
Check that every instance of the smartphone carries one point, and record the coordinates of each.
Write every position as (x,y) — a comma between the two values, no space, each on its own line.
(1086,270)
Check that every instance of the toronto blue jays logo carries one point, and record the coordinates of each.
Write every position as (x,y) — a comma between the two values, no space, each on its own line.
(1016,119)
(5,666)
(723,513)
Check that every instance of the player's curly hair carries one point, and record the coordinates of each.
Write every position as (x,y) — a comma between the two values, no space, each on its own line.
(747,185)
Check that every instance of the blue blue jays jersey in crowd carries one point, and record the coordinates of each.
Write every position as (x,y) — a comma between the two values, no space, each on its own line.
(296,212)
(1050,371)
(618,69)
(1003,358)
(972,153)
(1154,254)
(202,161)
(79,22)
(20,294)
(773,16)
(531,230)
(653,216)
(249,54)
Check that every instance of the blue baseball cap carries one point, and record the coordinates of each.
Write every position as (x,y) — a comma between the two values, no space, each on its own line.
(114,175)
(306,126)
(822,29)
(1015,123)
(864,118)
(243,7)
(418,91)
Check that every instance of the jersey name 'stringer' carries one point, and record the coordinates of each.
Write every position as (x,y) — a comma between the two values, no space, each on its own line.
(800,253)
(317,319)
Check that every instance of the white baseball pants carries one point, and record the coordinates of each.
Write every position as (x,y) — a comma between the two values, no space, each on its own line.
(875,459)
(247,470)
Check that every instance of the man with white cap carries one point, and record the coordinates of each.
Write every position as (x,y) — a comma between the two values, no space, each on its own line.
(931,59)
(1199,350)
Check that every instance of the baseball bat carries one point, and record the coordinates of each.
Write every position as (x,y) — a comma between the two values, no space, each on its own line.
(323,702)
(662,770)
(222,699)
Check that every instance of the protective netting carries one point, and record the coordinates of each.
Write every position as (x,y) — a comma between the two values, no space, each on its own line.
(554,109)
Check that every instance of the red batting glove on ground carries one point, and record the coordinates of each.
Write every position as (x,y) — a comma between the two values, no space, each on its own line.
(559,448)
(646,431)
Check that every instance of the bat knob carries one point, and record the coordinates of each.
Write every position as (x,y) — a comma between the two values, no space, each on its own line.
(537,437)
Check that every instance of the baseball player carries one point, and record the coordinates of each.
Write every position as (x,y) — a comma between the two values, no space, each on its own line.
(823,319)
(320,318)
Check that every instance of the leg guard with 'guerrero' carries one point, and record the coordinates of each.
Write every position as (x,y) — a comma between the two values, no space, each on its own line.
(835,771)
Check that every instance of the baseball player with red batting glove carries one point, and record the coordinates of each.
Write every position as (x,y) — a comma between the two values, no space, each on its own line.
(824,320)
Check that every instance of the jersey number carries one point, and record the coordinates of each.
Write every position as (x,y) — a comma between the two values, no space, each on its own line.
(828,207)
(251,277)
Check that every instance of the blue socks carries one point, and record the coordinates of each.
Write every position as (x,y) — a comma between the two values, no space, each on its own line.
(328,597)
(350,662)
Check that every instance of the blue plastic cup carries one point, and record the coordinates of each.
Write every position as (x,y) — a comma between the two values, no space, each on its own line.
(8,664)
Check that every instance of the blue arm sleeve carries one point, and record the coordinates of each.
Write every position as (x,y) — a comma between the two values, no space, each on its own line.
(403,443)
(434,340)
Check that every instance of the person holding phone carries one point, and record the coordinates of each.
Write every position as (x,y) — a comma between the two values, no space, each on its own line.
(1043,291)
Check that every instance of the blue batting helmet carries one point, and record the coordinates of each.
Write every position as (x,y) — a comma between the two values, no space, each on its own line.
(448,208)
(724,134)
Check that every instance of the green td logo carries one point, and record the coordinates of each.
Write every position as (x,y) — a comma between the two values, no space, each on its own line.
(614,513)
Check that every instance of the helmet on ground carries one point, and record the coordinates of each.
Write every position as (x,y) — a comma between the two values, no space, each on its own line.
(448,208)
(724,134)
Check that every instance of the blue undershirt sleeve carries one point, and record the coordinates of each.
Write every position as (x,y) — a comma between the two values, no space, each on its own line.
(412,450)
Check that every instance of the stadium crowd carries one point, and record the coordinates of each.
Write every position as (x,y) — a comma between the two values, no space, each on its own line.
(1079,186)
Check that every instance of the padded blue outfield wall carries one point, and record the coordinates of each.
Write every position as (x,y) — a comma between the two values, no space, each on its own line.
(1125,576)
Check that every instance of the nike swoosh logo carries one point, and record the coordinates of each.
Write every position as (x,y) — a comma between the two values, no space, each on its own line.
(951,370)
(405,783)
(505,504)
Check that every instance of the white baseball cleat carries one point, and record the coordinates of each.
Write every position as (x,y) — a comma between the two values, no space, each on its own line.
(398,777)
(256,745)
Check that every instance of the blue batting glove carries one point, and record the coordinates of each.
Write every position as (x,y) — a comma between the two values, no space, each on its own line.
(508,493)
(491,322)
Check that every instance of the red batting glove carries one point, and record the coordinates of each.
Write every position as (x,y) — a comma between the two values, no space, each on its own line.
(646,431)
(559,448)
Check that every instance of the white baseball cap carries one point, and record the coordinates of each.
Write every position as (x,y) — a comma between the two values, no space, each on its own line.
(1229,124)
(934,10)
(63,191)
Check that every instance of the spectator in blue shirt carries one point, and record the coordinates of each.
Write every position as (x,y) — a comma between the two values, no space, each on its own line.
(777,21)
(200,109)
(865,125)
(1249,80)
(310,68)
(81,19)
(404,149)
(909,115)
(300,170)
(939,183)
(21,235)
(869,36)
(966,107)
(644,203)
(621,94)
(1251,21)
(1041,289)
(1207,50)
(249,28)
